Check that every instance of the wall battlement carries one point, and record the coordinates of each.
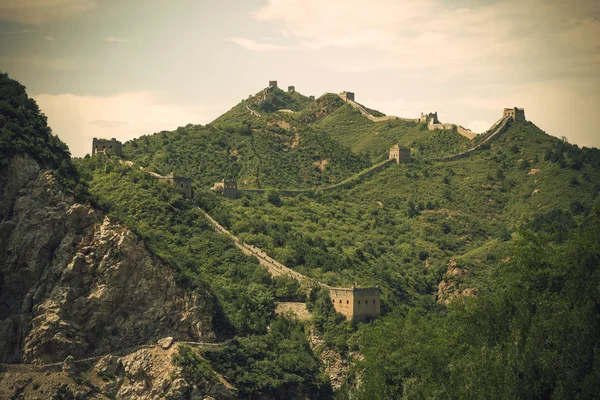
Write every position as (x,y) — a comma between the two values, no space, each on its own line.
(183,184)
(400,154)
(107,146)
(356,303)
(517,114)
(230,189)
(430,118)
(347,96)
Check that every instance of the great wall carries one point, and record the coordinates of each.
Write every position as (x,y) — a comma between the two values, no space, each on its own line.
(430,119)
(345,300)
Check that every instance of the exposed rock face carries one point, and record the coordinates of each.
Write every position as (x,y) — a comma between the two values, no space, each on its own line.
(145,374)
(74,282)
(450,287)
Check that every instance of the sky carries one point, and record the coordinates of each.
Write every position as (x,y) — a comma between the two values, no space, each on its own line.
(125,68)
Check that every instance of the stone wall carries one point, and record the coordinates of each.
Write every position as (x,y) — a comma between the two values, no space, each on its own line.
(273,84)
(291,89)
(400,154)
(184,185)
(517,114)
(107,146)
(430,118)
(347,96)
(230,189)
(356,304)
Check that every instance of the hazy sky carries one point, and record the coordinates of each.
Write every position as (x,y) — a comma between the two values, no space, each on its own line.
(123,68)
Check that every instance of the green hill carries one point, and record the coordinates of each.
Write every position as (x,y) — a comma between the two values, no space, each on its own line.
(273,150)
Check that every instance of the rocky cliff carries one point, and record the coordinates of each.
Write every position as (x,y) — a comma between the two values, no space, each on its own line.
(75,282)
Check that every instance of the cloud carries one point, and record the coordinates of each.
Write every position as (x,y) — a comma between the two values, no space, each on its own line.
(35,12)
(117,39)
(490,37)
(78,119)
(252,45)
(18,32)
(50,38)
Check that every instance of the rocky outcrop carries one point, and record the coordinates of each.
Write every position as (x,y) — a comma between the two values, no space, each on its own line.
(452,287)
(148,373)
(75,282)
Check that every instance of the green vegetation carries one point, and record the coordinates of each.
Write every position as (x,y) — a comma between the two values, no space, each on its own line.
(280,100)
(277,365)
(24,131)
(536,335)
(195,369)
(257,154)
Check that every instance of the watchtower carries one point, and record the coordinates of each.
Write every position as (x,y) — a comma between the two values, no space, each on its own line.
(517,114)
(106,146)
(230,189)
(400,154)
(347,96)
(184,185)
(272,84)
(356,303)
(291,89)
(430,118)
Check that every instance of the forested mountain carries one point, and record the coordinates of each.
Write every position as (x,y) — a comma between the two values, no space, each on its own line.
(488,265)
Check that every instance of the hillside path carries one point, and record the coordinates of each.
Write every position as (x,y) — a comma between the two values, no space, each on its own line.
(118,352)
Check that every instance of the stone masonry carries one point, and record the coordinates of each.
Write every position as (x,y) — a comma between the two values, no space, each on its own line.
(430,118)
(356,303)
(272,84)
(107,146)
(291,89)
(517,114)
(347,96)
(230,189)
(400,154)
(184,185)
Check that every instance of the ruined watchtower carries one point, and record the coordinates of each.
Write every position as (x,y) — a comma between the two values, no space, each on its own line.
(272,84)
(400,154)
(430,118)
(291,89)
(356,303)
(184,185)
(107,146)
(517,114)
(347,96)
